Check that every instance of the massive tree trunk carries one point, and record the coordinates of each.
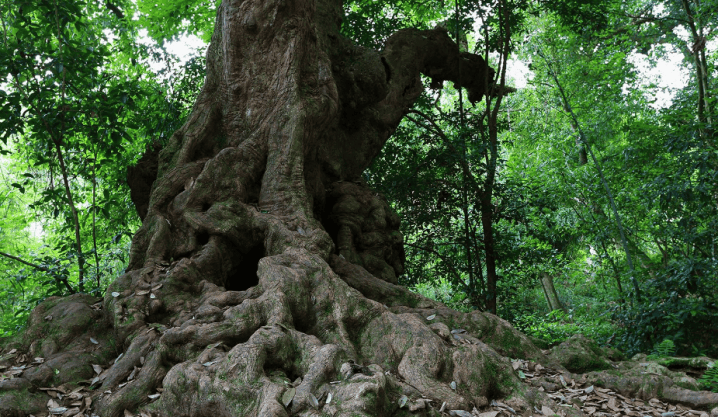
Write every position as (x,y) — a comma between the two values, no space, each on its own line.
(265,269)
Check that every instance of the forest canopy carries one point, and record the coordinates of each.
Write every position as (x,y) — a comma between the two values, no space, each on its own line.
(580,197)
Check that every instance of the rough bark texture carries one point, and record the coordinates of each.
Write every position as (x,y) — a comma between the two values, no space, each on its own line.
(140,178)
(265,270)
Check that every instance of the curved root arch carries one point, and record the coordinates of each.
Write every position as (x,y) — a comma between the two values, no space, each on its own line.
(304,329)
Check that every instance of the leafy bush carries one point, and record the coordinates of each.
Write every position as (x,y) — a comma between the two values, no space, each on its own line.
(709,379)
(557,326)
(679,305)
(443,292)
(663,350)
(551,328)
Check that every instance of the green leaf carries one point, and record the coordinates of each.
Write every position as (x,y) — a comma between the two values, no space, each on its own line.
(19,187)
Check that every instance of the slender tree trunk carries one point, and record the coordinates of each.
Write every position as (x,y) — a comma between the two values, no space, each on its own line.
(550,293)
(94,219)
(75,217)
(57,138)
(464,175)
(492,113)
(705,110)
(490,251)
(480,290)
(616,273)
(609,194)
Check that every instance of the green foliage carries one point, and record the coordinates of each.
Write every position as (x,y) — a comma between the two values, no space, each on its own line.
(671,311)
(168,19)
(443,292)
(582,16)
(663,350)
(79,105)
(709,379)
(555,327)
(552,328)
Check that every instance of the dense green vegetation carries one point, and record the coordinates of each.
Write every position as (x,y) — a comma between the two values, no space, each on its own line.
(579,183)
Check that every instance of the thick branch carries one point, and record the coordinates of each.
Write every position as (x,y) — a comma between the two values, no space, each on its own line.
(116,10)
(375,104)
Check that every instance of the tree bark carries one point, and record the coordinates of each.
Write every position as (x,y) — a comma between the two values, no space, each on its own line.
(264,263)
(705,110)
(550,293)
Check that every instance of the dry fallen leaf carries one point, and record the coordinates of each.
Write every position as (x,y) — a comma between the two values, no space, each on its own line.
(547,411)
(288,396)
(460,413)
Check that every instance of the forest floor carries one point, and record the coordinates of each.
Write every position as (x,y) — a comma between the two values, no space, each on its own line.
(576,377)
(566,391)
(594,401)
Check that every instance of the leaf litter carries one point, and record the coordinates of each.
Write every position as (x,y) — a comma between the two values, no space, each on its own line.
(593,401)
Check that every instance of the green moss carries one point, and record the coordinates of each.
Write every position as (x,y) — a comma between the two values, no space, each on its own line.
(245,408)
(371,399)
(23,399)
(685,384)
(69,375)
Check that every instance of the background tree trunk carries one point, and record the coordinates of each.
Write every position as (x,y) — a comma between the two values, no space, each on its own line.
(549,291)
